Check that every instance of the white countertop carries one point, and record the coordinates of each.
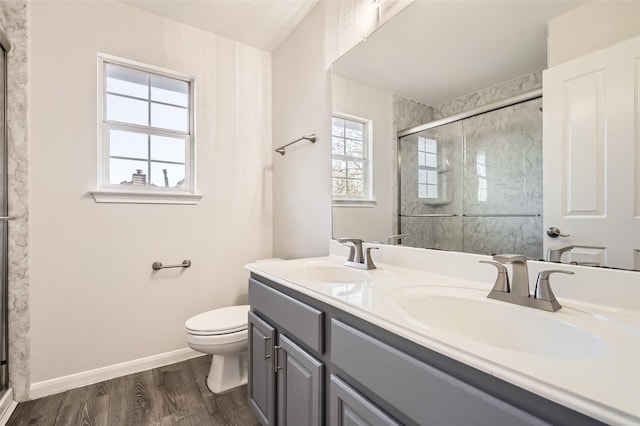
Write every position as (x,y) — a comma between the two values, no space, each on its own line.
(603,383)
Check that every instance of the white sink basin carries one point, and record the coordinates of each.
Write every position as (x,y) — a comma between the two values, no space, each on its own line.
(325,274)
(468,314)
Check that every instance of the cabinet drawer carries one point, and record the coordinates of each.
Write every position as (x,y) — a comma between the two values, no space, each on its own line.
(424,394)
(348,407)
(300,320)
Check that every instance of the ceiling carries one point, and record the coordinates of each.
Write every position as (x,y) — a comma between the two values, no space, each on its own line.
(260,23)
(436,51)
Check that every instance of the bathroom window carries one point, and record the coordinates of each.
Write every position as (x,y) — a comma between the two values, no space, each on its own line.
(481,167)
(351,159)
(146,119)
(427,168)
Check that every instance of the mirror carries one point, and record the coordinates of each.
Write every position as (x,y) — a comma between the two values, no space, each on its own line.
(436,60)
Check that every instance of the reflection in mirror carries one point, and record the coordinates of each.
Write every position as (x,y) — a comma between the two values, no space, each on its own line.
(473,185)
(479,179)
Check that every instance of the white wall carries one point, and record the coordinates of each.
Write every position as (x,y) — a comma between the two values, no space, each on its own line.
(302,105)
(372,223)
(94,298)
(591,27)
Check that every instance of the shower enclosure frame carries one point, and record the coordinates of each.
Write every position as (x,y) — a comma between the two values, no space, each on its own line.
(5,47)
(494,106)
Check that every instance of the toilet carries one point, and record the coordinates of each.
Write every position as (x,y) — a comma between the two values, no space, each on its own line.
(223,334)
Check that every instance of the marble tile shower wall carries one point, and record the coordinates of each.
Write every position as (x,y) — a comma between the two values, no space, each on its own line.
(14,23)
(507,146)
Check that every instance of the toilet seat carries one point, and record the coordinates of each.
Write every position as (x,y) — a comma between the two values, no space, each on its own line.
(227,320)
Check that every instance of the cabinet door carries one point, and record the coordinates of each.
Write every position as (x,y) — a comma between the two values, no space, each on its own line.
(261,372)
(349,408)
(591,185)
(300,390)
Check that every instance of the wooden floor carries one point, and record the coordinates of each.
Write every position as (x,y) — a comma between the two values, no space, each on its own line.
(172,395)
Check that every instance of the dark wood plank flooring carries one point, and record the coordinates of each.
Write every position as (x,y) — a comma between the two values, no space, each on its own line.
(175,394)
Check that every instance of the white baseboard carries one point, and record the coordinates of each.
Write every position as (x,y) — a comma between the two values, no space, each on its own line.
(7,405)
(62,384)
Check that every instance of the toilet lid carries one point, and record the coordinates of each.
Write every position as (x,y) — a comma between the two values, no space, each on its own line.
(219,321)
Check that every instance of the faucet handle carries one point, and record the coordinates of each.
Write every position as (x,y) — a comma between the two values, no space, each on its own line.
(367,260)
(355,254)
(509,258)
(543,287)
(502,280)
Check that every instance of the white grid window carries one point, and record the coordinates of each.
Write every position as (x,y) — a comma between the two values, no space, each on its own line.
(427,168)
(350,158)
(146,123)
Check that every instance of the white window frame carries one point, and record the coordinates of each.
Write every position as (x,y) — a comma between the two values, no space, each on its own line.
(367,200)
(117,193)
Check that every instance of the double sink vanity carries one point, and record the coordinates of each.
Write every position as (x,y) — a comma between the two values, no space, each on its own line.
(416,341)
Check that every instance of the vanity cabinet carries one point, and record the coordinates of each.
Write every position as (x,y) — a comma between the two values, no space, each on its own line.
(312,363)
(285,380)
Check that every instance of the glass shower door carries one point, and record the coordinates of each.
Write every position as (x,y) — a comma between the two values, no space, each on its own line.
(4,376)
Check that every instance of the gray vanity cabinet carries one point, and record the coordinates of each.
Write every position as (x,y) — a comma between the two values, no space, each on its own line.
(261,386)
(286,381)
(300,378)
(350,408)
(300,346)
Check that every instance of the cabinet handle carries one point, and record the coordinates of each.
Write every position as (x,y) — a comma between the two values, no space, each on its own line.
(276,364)
(267,351)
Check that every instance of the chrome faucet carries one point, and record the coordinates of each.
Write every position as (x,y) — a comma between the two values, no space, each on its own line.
(554,254)
(396,239)
(520,279)
(518,293)
(356,257)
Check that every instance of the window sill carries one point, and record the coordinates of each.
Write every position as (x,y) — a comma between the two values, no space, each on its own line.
(354,203)
(144,197)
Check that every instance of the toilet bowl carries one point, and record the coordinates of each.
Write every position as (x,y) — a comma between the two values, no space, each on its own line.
(223,334)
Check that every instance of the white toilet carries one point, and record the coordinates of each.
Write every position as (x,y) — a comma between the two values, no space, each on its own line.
(222,333)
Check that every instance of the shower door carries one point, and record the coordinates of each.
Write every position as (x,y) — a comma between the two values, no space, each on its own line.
(475,184)
(4,379)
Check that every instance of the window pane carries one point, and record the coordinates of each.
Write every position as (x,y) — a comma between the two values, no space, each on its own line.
(354,130)
(422,159)
(354,170)
(432,177)
(175,175)
(431,160)
(354,148)
(127,81)
(339,168)
(431,145)
(339,187)
(169,90)
(128,144)
(355,188)
(168,117)
(120,171)
(167,149)
(422,191)
(337,126)
(337,146)
(422,176)
(126,110)
(422,144)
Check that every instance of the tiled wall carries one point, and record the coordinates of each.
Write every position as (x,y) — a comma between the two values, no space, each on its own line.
(510,139)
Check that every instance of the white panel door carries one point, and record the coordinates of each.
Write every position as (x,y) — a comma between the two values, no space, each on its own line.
(591,156)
